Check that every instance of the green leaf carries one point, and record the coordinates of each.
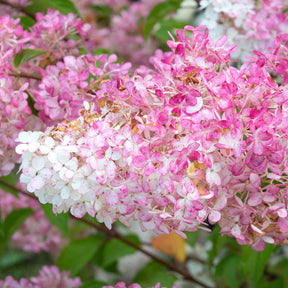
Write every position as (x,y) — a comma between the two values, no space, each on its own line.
(152,273)
(270,284)
(63,6)
(26,55)
(170,25)
(12,180)
(27,22)
(11,259)
(103,13)
(14,219)
(115,249)
(31,103)
(2,235)
(60,221)
(229,271)
(11,223)
(218,241)
(102,51)
(280,270)
(254,262)
(192,237)
(78,253)
(93,284)
(158,12)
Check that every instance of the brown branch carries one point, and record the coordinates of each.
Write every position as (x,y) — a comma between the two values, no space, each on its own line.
(115,234)
(18,7)
(25,75)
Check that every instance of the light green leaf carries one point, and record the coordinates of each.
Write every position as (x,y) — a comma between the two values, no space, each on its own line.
(78,253)
(152,273)
(254,262)
(115,249)
(63,6)
(158,12)
(60,221)
(26,55)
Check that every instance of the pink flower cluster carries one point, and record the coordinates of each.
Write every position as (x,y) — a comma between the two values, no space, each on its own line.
(251,24)
(15,113)
(49,33)
(36,233)
(48,277)
(195,139)
(64,86)
(53,32)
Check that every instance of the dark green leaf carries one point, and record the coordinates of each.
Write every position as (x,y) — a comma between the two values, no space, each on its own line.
(116,249)
(63,6)
(192,237)
(270,284)
(93,284)
(26,55)
(218,241)
(26,22)
(60,221)
(152,273)
(31,103)
(12,258)
(11,223)
(158,12)
(2,235)
(280,270)
(254,262)
(229,271)
(103,13)
(78,253)
(11,180)
(28,267)
(14,219)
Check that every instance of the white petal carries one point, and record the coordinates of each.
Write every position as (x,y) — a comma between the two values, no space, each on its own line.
(32,147)
(63,156)
(65,192)
(36,183)
(38,163)
(21,148)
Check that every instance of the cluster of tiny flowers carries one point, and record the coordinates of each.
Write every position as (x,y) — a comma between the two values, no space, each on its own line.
(48,277)
(14,110)
(251,24)
(36,233)
(135,285)
(276,62)
(193,140)
(64,86)
(58,81)
(53,32)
